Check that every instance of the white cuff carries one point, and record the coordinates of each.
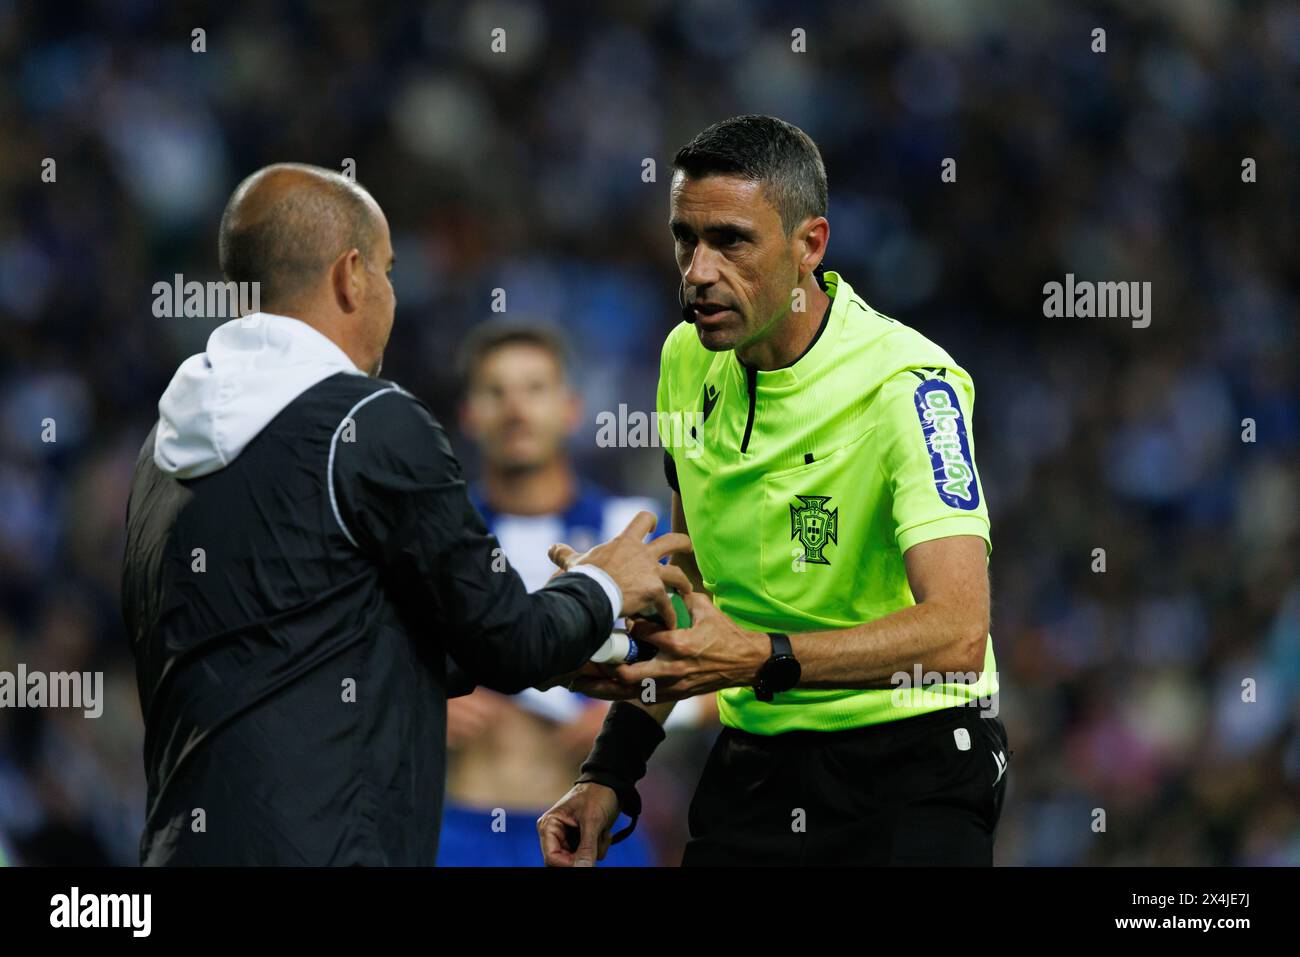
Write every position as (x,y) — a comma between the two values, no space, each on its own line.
(612,591)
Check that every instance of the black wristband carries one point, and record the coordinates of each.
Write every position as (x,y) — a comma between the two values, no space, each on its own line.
(618,758)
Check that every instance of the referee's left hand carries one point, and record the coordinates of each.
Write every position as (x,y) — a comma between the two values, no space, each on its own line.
(714,653)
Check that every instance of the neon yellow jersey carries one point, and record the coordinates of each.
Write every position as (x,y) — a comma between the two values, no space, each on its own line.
(803,487)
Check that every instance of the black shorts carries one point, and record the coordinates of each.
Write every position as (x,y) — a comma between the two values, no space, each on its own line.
(904,792)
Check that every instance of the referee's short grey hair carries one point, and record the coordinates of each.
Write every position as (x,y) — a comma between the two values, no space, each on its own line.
(766,150)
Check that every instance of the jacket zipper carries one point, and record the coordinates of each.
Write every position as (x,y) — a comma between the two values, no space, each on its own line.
(751,382)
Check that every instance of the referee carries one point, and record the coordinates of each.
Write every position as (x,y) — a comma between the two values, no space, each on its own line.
(840,527)
(306,580)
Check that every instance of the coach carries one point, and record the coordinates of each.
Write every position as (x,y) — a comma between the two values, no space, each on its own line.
(305,580)
(838,523)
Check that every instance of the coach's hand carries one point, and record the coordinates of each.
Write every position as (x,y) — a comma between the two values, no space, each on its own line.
(593,680)
(588,809)
(634,564)
(712,654)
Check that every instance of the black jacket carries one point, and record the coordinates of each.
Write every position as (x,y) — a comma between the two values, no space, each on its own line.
(292,614)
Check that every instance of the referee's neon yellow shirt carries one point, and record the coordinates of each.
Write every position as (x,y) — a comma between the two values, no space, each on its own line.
(802,502)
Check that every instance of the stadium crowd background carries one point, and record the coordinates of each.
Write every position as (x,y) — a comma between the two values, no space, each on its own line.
(523,171)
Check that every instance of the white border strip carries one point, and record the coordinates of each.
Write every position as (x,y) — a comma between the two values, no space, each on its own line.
(329,469)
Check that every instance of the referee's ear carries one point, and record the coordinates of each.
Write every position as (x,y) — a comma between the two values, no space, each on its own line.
(810,238)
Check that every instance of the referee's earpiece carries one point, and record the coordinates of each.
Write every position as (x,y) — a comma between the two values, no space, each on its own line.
(688,314)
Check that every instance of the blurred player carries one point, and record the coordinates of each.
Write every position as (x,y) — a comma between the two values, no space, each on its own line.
(509,755)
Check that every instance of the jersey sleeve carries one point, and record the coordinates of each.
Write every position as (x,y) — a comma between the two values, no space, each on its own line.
(402,501)
(662,408)
(927,455)
(670,472)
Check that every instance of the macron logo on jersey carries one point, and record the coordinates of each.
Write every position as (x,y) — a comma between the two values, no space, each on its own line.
(710,400)
(945,437)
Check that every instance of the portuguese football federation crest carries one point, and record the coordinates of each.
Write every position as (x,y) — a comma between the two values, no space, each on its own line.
(814,526)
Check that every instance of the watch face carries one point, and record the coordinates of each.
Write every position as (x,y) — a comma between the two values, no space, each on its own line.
(781,674)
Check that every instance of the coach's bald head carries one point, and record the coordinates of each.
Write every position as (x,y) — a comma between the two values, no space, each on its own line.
(318,245)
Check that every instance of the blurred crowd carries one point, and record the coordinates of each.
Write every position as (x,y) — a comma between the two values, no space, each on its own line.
(1152,706)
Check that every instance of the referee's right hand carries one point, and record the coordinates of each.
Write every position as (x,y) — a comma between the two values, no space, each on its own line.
(576,831)
(634,565)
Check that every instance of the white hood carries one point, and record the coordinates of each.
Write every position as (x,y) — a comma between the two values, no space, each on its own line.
(220,400)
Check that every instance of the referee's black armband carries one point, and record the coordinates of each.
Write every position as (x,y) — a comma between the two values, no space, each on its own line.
(618,758)
(670,472)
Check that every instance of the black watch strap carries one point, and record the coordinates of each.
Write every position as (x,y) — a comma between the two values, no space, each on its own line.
(782,655)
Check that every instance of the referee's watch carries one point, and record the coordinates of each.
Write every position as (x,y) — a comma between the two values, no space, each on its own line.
(780,672)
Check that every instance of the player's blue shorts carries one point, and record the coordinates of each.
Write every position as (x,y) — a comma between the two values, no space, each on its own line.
(468,840)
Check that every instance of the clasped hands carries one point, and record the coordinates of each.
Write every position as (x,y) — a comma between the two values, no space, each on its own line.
(712,654)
